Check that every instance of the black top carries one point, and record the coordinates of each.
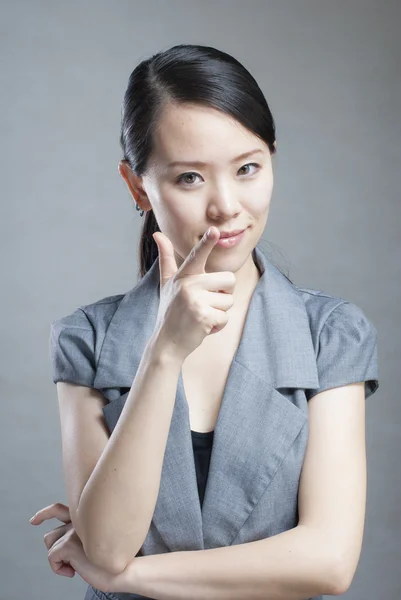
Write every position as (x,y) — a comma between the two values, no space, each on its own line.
(202,445)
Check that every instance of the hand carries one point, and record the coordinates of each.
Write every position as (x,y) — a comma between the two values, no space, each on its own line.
(66,554)
(55,511)
(193,303)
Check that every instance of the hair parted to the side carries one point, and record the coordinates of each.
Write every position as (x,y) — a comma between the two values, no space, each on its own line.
(185,73)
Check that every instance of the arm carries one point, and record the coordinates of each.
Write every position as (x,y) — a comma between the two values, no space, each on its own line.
(332,493)
(288,566)
(319,556)
(113,530)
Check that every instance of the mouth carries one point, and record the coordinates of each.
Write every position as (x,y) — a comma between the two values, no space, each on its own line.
(231,241)
(233,233)
(228,234)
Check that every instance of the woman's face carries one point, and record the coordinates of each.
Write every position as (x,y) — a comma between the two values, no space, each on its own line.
(227,192)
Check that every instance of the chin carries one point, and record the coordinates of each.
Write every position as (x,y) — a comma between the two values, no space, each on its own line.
(223,261)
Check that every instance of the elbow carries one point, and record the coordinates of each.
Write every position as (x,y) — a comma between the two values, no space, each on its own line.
(336,565)
(107,557)
(105,560)
(341,577)
(97,553)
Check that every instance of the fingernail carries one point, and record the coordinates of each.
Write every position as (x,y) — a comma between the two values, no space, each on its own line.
(30,520)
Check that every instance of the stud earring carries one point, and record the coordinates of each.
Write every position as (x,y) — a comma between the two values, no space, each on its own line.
(138,208)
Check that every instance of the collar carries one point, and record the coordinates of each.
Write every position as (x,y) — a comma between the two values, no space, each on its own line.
(277,325)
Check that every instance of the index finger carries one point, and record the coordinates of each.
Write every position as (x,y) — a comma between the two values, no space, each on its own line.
(53,511)
(196,260)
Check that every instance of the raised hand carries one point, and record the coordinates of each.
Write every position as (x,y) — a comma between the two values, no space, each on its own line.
(193,303)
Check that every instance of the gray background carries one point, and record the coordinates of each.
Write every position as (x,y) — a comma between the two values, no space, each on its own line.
(69,233)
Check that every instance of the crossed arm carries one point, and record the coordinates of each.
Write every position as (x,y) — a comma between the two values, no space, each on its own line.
(319,556)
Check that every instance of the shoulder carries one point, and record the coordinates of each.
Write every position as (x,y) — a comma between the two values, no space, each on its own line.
(76,339)
(95,316)
(325,310)
(344,339)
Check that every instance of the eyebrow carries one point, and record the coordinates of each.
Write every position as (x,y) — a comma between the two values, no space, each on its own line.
(197,163)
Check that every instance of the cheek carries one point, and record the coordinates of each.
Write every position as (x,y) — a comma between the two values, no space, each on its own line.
(181,216)
(259,199)
(177,220)
(183,210)
(260,205)
(169,209)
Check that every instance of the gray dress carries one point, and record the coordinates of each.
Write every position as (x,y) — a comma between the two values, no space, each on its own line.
(295,343)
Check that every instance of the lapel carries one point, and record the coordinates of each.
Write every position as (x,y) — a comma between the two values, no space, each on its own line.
(256,425)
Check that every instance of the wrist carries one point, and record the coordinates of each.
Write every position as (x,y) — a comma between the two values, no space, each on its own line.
(163,351)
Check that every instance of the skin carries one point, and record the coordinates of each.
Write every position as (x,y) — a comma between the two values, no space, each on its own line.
(228,196)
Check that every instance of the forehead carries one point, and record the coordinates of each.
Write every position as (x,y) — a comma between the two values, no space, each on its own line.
(200,133)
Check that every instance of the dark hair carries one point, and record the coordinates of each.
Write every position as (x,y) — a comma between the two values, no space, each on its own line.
(185,73)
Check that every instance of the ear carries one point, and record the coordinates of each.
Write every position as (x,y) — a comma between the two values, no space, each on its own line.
(135,185)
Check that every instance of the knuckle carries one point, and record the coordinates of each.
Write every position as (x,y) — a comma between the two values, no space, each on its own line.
(202,317)
(223,320)
(197,307)
(185,292)
(52,565)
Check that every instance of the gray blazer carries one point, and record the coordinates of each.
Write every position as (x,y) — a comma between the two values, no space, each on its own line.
(296,342)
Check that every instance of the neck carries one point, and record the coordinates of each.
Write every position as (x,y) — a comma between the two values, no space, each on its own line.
(247,279)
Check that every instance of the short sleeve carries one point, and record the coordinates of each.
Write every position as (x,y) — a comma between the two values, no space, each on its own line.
(71,345)
(347,351)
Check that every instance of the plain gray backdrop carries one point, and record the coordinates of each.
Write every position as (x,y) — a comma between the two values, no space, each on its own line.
(330,72)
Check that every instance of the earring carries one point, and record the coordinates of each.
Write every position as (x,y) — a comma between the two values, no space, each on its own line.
(138,208)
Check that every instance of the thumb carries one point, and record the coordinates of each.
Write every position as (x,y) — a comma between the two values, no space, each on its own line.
(167,263)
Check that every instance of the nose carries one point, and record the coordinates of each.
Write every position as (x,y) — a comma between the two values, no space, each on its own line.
(224,205)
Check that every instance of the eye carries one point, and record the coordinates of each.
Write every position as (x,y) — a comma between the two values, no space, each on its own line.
(181,181)
(251,165)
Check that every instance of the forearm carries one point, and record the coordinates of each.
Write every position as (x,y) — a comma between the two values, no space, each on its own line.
(118,501)
(293,565)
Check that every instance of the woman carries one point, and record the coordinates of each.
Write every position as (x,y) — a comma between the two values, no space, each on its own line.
(215,368)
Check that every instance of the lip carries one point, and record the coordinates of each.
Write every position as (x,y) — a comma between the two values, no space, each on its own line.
(234,232)
(233,240)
